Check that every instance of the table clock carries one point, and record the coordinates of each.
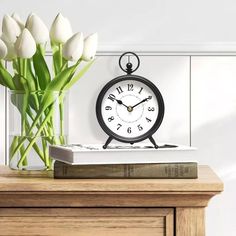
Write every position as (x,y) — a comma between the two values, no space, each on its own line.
(130,108)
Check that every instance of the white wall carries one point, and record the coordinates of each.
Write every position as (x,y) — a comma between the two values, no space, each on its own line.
(214,133)
(139,22)
(2,125)
(165,25)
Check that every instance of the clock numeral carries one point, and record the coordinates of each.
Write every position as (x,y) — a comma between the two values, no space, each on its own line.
(118,126)
(149,97)
(140,90)
(112,97)
(108,108)
(129,130)
(130,87)
(110,119)
(119,89)
(151,109)
(148,120)
(140,128)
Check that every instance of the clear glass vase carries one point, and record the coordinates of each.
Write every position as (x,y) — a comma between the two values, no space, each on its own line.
(36,120)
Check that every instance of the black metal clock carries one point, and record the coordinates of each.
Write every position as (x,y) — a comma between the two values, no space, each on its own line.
(130,108)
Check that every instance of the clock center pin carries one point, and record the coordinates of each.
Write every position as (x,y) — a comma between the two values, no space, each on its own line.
(130,109)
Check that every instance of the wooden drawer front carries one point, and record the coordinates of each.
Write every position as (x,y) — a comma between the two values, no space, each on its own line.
(87,221)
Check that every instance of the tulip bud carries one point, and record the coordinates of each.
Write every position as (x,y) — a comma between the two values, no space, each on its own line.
(27,20)
(3,49)
(10,29)
(25,45)
(37,28)
(11,52)
(60,30)
(18,20)
(73,48)
(90,47)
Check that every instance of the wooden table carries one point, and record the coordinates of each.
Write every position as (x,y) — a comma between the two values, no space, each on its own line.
(33,203)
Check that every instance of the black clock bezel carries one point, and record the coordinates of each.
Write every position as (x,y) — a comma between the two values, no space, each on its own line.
(157,123)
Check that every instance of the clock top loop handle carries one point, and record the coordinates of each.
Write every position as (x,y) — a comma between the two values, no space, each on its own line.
(129,70)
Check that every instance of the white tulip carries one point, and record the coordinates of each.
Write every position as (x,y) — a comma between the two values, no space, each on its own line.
(10,29)
(18,20)
(37,28)
(25,45)
(11,52)
(60,30)
(3,49)
(73,48)
(90,47)
(27,20)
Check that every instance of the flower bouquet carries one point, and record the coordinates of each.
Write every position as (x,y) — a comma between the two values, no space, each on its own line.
(36,95)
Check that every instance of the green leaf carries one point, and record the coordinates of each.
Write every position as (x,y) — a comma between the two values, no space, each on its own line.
(6,78)
(56,58)
(55,85)
(15,66)
(2,81)
(30,74)
(41,69)
(71,82)
(18,83)
(25,73)
(62,78)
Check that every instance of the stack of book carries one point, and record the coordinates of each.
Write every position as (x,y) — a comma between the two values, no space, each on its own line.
(91,161)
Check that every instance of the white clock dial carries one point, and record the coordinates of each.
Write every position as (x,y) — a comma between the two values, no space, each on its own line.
(129,108)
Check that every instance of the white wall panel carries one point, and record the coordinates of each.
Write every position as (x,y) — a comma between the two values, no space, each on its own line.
(214,133)
(2,125)
(170,74)
(139,22)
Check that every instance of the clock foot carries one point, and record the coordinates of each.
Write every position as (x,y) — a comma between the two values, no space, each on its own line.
(107,142)
(153,142)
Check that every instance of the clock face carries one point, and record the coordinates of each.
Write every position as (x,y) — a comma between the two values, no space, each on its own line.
(130,108)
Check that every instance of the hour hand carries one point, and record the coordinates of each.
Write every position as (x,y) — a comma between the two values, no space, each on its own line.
(121,103)
(129,108)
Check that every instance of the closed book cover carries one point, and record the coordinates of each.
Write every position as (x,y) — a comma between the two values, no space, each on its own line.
(86,154)
(184,170)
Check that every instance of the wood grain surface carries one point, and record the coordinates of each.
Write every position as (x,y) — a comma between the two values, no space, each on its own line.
(87,222)
(11,180)
(33,203)
(193,220)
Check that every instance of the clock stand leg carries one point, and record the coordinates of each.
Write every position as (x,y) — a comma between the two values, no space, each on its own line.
(153,142)
(107,142)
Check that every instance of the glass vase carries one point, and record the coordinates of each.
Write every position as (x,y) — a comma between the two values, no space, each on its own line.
(36,120)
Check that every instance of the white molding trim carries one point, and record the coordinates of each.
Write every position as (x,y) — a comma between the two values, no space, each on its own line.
(171,48)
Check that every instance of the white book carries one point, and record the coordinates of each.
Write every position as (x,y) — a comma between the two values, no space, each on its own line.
(91,154)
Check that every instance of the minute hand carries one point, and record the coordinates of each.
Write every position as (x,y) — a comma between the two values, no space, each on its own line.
(144,100)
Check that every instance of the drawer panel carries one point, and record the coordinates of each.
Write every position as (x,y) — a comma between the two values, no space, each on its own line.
(87,221)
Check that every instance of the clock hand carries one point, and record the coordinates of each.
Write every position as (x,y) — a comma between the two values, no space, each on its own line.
(129,108)
(144,100)
(121,103)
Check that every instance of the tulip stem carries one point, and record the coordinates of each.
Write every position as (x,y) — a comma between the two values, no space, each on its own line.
(34,139)
(25,97)
(64,66)
(25,105)
(60,57)
(41,48)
